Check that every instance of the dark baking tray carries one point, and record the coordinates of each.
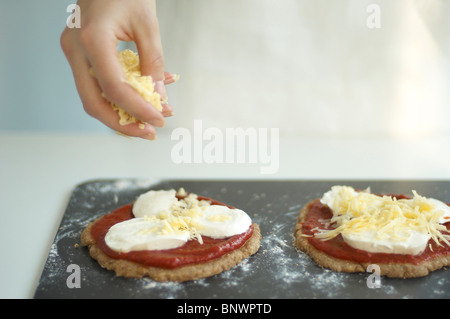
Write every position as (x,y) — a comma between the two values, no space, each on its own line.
(277,270)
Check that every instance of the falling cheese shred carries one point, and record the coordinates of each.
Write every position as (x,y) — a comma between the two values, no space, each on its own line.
(357,212)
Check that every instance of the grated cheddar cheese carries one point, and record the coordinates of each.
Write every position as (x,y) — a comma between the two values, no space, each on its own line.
(389,218)
(182,216)
(144,85)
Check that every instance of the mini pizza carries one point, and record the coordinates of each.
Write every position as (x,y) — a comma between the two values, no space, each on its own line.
(172,236)
(347,230)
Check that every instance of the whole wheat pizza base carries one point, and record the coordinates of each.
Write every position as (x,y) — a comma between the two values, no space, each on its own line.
(130,269)
(393,270)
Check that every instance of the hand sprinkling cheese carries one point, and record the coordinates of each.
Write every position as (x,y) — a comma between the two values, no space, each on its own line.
(142,84)
(383,223)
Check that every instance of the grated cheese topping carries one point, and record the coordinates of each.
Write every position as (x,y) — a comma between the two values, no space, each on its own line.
(177,216)
(163,222)
(395,225)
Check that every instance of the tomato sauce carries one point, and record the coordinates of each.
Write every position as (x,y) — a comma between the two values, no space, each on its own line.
(191,253)
(338,248)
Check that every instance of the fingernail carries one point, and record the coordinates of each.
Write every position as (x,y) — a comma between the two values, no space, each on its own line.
(158,122)
(168,113)
(150,137)
(124,135)
(161,89)
(175,77)
(167,109)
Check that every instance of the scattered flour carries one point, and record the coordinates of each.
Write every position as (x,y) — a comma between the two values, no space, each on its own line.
(277,270)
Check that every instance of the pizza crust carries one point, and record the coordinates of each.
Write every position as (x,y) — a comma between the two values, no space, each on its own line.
(129,269)
(393,270)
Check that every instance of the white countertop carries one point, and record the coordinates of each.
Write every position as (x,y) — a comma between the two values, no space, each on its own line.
(39,171)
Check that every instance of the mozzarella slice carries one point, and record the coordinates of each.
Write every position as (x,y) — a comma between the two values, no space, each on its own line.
(153,202)
(219,221)
(414,244)
(143,234)
(445,218)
